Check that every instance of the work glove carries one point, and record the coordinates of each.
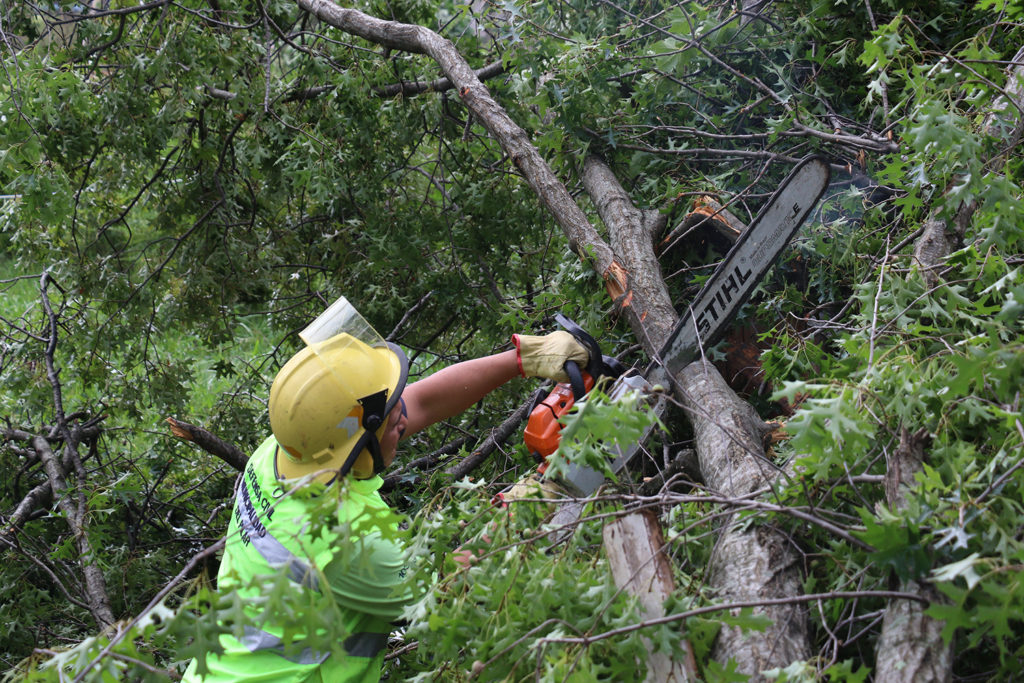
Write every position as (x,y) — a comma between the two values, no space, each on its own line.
(532,487)
(545,356)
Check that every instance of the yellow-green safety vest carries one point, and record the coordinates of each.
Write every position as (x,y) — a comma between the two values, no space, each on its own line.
(269,533)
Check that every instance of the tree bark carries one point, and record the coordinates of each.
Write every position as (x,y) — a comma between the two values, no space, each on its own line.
(95,584)
(633,233)
(910,647)
(749,563)
(633,545)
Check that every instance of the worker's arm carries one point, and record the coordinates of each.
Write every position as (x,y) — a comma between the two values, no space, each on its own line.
(449,392)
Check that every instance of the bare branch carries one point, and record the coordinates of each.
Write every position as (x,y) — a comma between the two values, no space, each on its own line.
(157,599)
(96,586)
(436,85)
(498,436)
(36,499)
(209,442)
(738,605)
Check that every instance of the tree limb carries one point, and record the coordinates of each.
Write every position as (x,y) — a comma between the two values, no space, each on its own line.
(209,442)
(749,563)
(437,85)
(910,646)
(633,240)
(36,499)
(95,584)
(157,599)
(498,435)
(423,463)
(583,238)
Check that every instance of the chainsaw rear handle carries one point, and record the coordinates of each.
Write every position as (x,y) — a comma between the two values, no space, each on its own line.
(588,342)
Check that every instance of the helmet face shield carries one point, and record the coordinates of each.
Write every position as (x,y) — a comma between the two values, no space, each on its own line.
(342,329)
(341,318)
(329,404)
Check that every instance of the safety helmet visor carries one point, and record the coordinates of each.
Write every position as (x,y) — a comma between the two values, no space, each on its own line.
(340,318)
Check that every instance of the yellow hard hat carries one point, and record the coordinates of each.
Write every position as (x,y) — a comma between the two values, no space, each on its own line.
(329,403)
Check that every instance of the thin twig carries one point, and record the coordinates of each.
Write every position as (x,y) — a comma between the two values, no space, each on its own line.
(157,599)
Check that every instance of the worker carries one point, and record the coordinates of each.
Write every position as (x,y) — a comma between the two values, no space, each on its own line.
(338,409)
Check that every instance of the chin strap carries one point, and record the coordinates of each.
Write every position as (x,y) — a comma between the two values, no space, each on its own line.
(373,445)
(374,407)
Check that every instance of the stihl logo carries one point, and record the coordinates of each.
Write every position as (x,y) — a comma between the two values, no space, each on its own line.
(718,304)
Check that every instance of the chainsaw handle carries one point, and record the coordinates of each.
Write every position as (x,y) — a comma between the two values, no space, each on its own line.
(579,389)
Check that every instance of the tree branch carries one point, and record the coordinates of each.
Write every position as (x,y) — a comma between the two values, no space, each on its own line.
(209,442)
(634,243)
(583,238)
(748,561)
(498,435)
(911,647)
(737,605)
(157,599)
(95,584)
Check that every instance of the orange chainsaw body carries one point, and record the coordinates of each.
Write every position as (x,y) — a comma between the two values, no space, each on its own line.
(543,430)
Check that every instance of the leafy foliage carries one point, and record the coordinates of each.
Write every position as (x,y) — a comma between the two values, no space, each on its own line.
(195,180)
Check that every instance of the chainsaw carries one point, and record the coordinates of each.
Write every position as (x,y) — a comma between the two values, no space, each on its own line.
(699,328)
(543,427)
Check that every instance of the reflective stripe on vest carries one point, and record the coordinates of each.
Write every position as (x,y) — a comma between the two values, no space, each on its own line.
(364,644)
(255,640)
(271,549)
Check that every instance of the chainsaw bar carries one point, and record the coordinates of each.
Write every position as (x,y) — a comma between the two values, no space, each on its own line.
(739,273)
(722,296)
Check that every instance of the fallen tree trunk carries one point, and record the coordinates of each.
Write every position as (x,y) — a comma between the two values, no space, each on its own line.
(749,562)
(755,562)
